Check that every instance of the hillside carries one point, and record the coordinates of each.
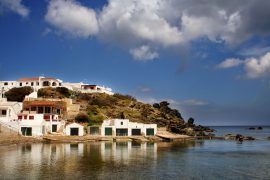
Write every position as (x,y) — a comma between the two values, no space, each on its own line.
(94,108)
(102,106)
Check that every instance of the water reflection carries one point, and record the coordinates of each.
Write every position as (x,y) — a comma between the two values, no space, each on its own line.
(98,160)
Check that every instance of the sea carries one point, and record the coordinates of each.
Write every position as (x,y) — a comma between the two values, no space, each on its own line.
(199,159)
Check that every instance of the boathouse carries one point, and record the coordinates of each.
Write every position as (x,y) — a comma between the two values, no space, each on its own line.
(123,127)
(74,129)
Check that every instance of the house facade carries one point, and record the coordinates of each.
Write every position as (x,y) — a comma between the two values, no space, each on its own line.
(9,111)
(42,82)
(123,127)
(42,116)
(74,129)
(39,124)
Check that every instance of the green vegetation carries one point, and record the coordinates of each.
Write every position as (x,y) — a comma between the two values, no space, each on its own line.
(82,118)
(59,92)
(103,106)
(18,94)
(97,107)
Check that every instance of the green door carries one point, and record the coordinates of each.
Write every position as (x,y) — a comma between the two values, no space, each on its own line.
(121,132)
(26,131)
(74,131)
(94,130)
(136,132)
(54,128)
(108,131)
(150,132)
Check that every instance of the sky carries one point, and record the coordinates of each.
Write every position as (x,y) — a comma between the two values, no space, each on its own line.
(209,59)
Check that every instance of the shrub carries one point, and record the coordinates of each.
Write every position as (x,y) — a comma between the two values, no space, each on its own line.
(59,92)
(82,118)
(18,94)
(124,97)
(63,91)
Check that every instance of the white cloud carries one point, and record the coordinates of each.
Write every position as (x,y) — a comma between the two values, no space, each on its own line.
(259,67)
(161,24)
(254,67)
(15,6)
(254,51)
(137,21)
(229,63)
(143,53)
(193,102)
(71,17)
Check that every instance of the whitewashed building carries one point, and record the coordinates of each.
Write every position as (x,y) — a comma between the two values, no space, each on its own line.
(42,82)
(39,124)
(88,88)
(74,129)
(123,127)
(9,110)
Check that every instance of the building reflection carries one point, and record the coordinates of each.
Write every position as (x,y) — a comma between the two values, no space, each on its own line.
(125,152)
(62,159)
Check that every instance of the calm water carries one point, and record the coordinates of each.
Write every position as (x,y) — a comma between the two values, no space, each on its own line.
(126,160)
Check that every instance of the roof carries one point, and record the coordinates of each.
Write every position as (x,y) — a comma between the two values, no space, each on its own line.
(42,103)
(8,103)
(37,79)
(74,125)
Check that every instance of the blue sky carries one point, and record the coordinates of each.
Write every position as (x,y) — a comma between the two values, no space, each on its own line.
(208,59)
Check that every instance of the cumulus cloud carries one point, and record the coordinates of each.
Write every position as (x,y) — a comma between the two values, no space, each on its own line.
(14,6)
(254,67)
(143,53)
(258,67)
(229,63)
(71,17)
(162,24)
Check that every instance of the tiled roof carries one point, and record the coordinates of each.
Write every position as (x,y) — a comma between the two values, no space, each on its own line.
(42,103)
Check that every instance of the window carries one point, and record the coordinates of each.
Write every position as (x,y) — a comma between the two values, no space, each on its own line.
(58,111)
(47,109)
(46,117)
(31,118)
(54,84)
(25,117)
(46,83)
(5,83)
(20,84)
(32,83)
(26,83)
(60,84)
(37,83)
(40,110)
(34,108)
(4,112)
(20,117)
(122,123)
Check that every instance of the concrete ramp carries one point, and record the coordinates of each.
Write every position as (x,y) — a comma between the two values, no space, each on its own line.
(171,136)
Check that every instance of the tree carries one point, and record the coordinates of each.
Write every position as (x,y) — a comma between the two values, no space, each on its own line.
(190,121)
(82,118)
(18,94)
(63,91)
(156,105)
(164,104)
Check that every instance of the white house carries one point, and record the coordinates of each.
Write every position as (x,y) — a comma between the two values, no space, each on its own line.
(9,110)
(123,127)
(35,82)
(74,129)
(88,88)
(32,124)
(40,82)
